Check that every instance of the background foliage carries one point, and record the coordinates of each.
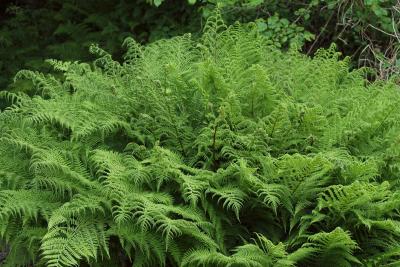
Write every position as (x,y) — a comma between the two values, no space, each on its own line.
(32,31)
(36,30)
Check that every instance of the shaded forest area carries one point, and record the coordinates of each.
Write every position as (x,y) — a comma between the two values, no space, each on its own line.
(32,31)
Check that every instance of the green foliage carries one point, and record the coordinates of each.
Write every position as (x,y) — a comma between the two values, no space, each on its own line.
(32,31)
(283,33)
(366,30)
(218,151)
(64,29)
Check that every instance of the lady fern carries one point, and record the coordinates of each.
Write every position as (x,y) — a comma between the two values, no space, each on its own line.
(218,151)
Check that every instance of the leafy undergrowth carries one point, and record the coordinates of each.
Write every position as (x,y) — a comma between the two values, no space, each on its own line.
(214,152)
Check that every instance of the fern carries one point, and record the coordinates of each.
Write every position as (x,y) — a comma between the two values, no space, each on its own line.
(212,151)
(332,249)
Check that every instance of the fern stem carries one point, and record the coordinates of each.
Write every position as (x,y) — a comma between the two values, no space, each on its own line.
(214,149)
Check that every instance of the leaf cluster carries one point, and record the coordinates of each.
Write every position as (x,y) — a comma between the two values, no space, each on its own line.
(218,151)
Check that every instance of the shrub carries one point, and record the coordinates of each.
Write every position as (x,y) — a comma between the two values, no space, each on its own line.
(218,151)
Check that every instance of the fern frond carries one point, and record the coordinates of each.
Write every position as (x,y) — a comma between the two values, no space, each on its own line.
(66,245)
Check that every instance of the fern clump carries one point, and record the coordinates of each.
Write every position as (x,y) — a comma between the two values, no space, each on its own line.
(219,151)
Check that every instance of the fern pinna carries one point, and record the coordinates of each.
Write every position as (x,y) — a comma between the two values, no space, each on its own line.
(219,151)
